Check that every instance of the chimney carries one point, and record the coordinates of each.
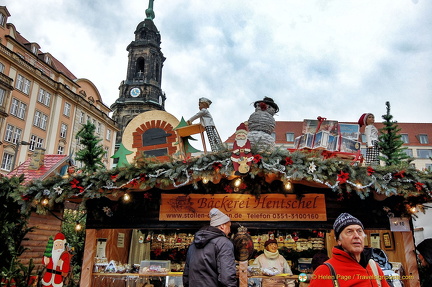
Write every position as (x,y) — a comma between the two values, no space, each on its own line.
(37,159)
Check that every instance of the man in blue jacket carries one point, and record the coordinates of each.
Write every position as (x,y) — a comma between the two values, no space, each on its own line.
(210,259)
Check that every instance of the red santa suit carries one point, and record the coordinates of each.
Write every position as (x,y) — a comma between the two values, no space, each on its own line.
(241,155)
(58,265)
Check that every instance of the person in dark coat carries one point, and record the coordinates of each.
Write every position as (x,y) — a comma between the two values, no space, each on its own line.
(210,260)
(424,250)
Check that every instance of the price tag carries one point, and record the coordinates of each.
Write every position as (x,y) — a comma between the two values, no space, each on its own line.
(399,224)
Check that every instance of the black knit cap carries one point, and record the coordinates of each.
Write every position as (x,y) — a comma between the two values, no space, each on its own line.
(268,101)
(270,241)
(425,249)
(344,220)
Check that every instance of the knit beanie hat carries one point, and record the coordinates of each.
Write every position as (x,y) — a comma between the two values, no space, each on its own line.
(425,249)
(217,217)
(270,241)
(344,220)
(362,120)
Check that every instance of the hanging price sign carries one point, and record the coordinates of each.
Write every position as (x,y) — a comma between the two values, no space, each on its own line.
(399,224)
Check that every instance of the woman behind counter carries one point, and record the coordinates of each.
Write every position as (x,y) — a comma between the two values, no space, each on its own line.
(272,259)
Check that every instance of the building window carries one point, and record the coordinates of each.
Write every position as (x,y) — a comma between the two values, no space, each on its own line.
(108,135)
(2,67)
(39,142)
(106,152)
(22,111)
(2,96)
(18,108)
(17,136)
(2,19)
(7,161)
(81,117)
(23,84)
(12,134)
(32,144)
(423,139)
(44,120)
(408,152)
(424,153)
(44,97)
(273,135)
(290,137)
(60,150)
(67,109)
(14,107)
(40,120)
(98,128)
(404,138)
(9,133)
(63,130)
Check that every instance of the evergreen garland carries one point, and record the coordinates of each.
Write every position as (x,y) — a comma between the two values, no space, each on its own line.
(390,142)
(214,173)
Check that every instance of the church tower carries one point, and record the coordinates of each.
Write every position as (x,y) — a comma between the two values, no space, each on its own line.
(141,91)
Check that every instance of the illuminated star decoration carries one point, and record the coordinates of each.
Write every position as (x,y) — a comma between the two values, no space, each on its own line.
(312,167)
(58,190)
(108,211)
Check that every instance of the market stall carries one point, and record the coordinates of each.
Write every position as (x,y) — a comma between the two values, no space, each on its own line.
(157,225)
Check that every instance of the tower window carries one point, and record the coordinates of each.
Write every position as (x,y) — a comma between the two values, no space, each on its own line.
(139,69)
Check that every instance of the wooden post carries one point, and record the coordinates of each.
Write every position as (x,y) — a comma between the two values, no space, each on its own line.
(88,258)
(243,277)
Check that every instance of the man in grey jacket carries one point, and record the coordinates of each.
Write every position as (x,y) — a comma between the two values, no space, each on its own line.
(210,259)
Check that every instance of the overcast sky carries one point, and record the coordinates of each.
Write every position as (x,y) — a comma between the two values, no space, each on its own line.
(330,58)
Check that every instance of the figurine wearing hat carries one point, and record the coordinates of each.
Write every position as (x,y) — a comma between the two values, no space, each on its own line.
(272,262)
(58,264)
(261,124)
(241,156)
(371,133)
(207,121)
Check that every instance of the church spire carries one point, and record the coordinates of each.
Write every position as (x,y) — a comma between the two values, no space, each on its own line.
(149,11)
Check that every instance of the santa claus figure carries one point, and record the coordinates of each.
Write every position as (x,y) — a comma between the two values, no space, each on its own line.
(241,156)
(58,265)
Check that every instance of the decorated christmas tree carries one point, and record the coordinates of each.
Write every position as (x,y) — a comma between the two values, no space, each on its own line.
(49,247)
(92,153)
(390,142)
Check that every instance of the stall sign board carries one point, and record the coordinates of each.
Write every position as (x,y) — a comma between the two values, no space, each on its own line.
(244,207)
(399,224)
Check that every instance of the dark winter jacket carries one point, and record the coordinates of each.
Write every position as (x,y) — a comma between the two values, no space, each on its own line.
(210,260)
(425,249)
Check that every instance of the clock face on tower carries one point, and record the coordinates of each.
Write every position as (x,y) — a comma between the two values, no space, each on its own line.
(135,92)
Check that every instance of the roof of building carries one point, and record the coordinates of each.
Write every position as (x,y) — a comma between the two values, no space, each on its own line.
(52,163)
(56,64)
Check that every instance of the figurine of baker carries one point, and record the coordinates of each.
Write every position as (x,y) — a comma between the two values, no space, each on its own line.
(371,133)
(207,121)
